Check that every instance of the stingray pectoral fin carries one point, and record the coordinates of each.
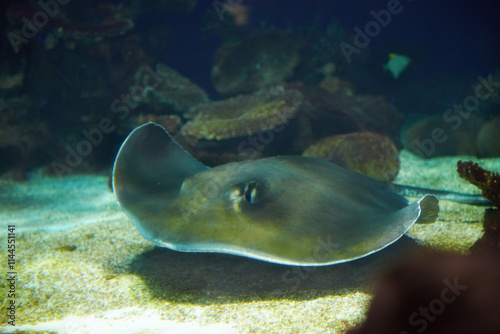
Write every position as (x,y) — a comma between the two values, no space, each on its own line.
(386,229)
(149,165)
(429,209)
(150,161)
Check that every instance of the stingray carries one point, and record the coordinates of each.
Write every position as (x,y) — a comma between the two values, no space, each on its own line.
(288,209)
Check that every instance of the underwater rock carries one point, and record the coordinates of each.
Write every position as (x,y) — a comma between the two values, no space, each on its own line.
(260,60)
(138,8)
(336,85)
(320,116)
(488,139)
(367,153)
(243,115)
(67,23)
(240,13)
(327,70)
(120,58)
(123,56)
(66,71)
(490,105)
(12,71)
(437,293)
(95,32)
(100,21)
(489,244)
(336,109)
(435,137)
(22,134)
(173,90)
(171,123)
(321,56)
(489,183)
(83,88)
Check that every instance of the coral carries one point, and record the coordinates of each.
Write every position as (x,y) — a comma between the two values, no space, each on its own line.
(437,293)
(368,153)
(488,139)
(173,90)
(243,115)
(489,183)
(262,59)
(434,137)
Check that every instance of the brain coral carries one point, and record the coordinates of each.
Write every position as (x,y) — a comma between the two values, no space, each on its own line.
(367,153)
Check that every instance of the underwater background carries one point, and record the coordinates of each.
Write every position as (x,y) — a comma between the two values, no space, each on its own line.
(397,90)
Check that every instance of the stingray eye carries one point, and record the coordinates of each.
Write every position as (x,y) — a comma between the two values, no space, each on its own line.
(240,189)
(251,192)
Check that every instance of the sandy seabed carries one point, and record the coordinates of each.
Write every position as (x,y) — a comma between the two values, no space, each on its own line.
(82,267)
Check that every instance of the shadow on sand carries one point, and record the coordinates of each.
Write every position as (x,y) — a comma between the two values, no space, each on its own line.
(199,277)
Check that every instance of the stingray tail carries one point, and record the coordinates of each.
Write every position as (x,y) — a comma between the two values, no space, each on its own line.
(442,195)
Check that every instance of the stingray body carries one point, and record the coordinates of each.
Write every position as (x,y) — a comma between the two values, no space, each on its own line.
(288,210)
